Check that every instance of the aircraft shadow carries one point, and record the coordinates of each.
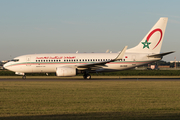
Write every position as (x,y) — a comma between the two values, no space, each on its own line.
(100,115)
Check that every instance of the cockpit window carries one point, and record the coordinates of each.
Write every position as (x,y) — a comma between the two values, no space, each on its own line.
(15,60)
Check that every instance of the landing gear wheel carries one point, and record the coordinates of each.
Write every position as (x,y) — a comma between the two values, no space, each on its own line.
(84,76)
(24,77)
(87,76)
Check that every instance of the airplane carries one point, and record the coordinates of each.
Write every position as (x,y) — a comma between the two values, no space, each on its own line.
(71,64)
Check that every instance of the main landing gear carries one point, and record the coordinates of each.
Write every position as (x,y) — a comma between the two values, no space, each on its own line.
(87,76)
(24,77)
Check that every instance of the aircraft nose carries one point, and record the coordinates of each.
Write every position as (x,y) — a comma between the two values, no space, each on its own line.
(5,65)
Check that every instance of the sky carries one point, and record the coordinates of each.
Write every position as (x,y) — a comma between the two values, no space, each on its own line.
(58,26)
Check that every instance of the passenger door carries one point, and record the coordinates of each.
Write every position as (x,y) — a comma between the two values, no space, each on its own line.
(28,61)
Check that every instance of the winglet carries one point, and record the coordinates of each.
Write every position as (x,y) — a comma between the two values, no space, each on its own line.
(121,54)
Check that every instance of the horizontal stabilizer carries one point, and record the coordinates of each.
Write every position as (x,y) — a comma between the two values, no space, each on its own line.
(161,54)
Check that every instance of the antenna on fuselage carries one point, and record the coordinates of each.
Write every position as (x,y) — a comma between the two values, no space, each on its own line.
(10,57)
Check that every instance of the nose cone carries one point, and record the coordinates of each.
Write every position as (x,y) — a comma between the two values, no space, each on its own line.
(5,65)
(9,66)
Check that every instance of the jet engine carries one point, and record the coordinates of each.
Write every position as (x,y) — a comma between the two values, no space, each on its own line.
(65,71)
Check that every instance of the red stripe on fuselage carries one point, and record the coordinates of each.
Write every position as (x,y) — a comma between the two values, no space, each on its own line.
(76,63)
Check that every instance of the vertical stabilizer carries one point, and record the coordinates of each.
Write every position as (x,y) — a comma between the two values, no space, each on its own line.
(152,42)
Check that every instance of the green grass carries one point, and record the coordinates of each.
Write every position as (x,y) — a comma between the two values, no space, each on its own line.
(89,100)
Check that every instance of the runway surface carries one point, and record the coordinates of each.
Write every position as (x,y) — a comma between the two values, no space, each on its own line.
(102,79)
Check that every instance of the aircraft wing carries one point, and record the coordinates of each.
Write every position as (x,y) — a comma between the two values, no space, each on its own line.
(161,54)
(100,64)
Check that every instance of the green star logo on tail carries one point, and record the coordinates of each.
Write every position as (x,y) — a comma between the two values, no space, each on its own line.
(146,44)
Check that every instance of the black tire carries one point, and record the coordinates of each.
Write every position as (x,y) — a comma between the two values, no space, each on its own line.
(23,77)
(88,77)
(85,76)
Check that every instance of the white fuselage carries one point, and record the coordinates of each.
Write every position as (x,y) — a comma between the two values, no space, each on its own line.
(69,64)
(48,63)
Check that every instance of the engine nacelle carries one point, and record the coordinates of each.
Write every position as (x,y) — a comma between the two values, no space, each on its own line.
(65,71)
